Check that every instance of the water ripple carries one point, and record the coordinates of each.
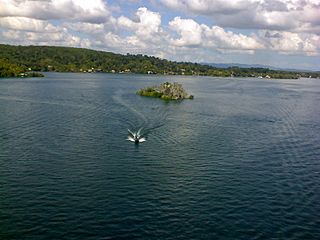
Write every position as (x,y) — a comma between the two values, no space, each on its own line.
(240,161)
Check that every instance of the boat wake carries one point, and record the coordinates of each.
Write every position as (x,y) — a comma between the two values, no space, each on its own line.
(140,120)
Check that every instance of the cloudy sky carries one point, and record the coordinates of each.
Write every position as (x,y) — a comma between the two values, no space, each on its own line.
(281,33)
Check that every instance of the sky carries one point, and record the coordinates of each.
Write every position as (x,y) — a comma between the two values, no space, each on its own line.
(278,33)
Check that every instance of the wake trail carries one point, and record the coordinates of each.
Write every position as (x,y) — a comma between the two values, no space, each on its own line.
(148,118)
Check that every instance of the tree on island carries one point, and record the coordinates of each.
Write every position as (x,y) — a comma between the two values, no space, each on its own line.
(166,91)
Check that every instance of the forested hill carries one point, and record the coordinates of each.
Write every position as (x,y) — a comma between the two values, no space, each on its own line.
(67,59)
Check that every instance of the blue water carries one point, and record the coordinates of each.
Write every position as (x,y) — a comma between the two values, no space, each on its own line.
(240,161)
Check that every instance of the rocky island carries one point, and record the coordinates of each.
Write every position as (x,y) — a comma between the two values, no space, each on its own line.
(166,91)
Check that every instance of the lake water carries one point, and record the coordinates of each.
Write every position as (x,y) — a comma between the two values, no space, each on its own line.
(240,161)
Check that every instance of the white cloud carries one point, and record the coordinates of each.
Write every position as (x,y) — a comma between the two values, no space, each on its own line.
(89,28)
(110,42)
(229,40)
(146,31)
(27,24)
(30,22)
(288,15)
(210,7)
(292,43)
(12,35)
(190,32)
(146,25)
(193,34)
(41,38)
(94,11)
(285,26)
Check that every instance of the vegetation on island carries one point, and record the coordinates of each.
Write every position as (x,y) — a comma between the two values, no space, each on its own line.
(166,91)
(68,59)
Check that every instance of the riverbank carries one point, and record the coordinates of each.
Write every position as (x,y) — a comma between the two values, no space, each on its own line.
(67,59)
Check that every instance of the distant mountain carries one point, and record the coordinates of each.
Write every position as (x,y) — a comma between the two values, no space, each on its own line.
(241,65)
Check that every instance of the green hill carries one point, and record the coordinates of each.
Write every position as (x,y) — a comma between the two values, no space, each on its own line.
(67,59)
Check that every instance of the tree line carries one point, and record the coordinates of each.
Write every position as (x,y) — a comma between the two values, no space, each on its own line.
(17,59)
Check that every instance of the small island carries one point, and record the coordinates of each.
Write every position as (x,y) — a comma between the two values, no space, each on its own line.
(166,91)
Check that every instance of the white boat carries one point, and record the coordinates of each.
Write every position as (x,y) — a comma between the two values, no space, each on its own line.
(136,137)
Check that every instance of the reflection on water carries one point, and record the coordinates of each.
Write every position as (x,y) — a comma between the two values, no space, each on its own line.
(240,161)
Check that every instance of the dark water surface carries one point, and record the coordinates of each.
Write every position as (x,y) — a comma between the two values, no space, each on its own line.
(240,161)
